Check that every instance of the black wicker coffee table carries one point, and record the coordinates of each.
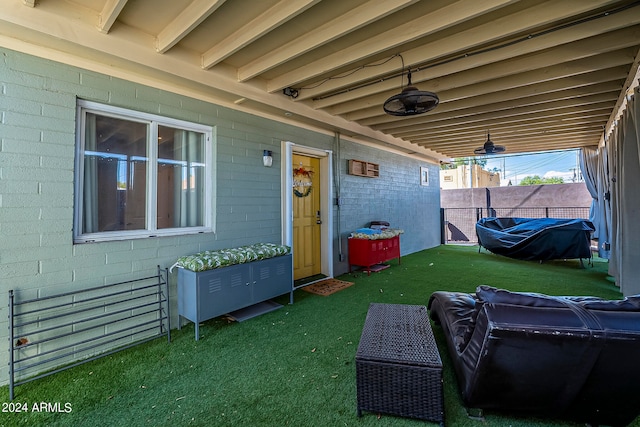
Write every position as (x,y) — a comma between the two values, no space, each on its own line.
(398,367)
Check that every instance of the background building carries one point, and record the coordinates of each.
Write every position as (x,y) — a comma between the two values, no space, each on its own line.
(465,176)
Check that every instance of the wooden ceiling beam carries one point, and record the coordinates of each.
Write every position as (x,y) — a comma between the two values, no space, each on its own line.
(466,41)
(477,131)
(445,17)
(445,146)
(584,103)
(466,108)
(196,12)
(544,81)
(480,132)
(522,147)
(529,83)
(503,138)
(390,122)
(526,149)
(627,38)
(280,13)
(561,114)
(109,14)
(592,133)
(532,145)
(354,19)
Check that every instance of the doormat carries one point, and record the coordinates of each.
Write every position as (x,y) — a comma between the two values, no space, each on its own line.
(327,287)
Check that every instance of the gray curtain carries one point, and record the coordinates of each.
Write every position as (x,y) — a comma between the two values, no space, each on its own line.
(589,168)
(613,184)
(625,178)
(188,184)
(591,164)
(604,202)
(90,179)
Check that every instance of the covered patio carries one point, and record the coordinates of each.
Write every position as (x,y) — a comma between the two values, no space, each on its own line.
(539,76)
(136,132)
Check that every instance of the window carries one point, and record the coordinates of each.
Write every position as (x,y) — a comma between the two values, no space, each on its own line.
(140,175)
(424,176)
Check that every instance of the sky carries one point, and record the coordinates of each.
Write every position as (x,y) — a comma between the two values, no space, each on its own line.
(564,163)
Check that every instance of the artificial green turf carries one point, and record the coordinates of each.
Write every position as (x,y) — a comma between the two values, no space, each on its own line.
(294,366)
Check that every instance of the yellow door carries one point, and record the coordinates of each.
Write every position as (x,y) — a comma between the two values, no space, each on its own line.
(306,216)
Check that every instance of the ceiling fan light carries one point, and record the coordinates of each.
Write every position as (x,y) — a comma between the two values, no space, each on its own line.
(411,101)
(489,147)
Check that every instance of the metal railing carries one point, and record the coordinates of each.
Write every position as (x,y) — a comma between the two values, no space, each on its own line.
(49,334)
(459,224)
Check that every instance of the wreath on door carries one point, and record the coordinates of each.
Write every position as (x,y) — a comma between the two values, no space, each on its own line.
(302,182)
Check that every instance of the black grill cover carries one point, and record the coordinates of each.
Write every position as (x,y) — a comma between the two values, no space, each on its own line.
(536,238)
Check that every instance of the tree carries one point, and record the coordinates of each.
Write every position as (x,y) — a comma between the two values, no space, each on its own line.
(536,180)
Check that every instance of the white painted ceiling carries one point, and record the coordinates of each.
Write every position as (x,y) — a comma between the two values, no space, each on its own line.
(539,75)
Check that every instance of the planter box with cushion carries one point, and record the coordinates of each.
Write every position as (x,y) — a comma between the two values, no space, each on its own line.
(213,283)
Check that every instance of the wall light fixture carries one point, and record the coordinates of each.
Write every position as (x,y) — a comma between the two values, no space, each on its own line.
(267,158)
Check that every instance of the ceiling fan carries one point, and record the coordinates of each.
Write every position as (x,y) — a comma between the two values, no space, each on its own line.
(411,101)
(489,147)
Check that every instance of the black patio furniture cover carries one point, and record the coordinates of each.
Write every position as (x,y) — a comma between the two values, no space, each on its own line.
(537,239)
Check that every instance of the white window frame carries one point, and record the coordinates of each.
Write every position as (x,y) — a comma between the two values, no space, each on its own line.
(153,121)
(424,176)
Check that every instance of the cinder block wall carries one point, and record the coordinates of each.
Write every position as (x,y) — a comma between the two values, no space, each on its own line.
(573,195)
(37,148)
(396,196)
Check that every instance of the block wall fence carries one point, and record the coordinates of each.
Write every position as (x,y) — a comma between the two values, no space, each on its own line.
(37,148)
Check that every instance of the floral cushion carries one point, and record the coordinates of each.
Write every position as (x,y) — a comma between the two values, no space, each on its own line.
(384,234)
(208,260)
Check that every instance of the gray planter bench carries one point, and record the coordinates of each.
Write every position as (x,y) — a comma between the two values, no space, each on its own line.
(214,283)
